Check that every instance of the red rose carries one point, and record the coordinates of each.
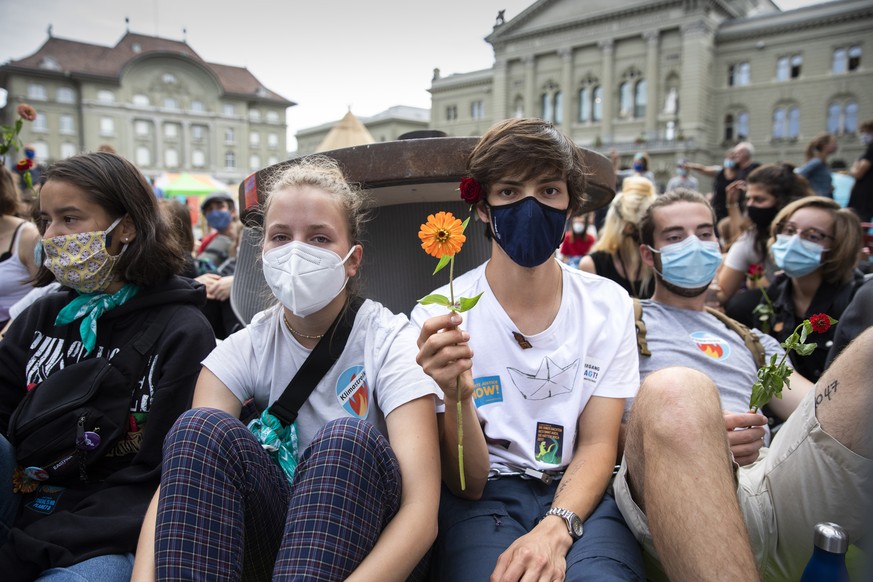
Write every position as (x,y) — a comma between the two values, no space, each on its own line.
(26,112)
(471,191)
(24,164)
(820,322)
(756,271)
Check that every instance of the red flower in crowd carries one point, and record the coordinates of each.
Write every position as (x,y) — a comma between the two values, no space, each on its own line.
(820,322)
(24,164)
(26,112)
(471,191)
(756,271)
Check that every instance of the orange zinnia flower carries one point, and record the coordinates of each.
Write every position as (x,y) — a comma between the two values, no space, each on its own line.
(442,236)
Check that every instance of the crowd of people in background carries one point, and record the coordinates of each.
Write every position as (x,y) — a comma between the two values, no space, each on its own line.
(95,266)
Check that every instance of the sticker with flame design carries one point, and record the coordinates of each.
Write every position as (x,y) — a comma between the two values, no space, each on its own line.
(711,345)
(353,392)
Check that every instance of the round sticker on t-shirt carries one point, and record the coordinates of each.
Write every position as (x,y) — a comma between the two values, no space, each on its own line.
(353,392)
(711,345)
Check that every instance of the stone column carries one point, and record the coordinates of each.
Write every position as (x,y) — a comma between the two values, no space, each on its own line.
(530,109)
(696,82)
(607,84)
(566,55)
(159,142)
(651,83)
(499,91)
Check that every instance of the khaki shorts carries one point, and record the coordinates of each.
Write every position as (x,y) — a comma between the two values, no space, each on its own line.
(805,477)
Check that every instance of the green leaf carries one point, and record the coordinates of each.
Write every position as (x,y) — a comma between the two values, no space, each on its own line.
(467,303)
(443,262)
(804,333)
(28,179)
(435,299)
(805,349)
(464,224)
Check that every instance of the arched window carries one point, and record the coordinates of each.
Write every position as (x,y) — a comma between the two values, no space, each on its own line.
(597,104)
(559,107)
(779,118)
(729,127)
(850,123)
(584,104)
(834,114)
(640,99)
(743,125)
(546,107)
(625,100)
(793,122)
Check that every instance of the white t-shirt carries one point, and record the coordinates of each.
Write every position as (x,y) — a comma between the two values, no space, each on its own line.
(375,374)
(529,400)
(742,255)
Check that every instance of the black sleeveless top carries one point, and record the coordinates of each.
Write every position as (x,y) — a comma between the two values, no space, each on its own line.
(605,267)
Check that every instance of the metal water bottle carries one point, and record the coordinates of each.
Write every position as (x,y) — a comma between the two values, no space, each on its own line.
(828,561)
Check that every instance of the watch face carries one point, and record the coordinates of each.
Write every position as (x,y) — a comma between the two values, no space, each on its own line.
(576,524)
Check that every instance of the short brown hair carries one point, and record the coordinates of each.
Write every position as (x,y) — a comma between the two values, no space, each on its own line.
(866,126)
(117,186)
(839,261)
(528,147)
(647,223)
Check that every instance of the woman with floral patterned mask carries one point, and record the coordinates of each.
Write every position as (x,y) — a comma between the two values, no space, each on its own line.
(106,243)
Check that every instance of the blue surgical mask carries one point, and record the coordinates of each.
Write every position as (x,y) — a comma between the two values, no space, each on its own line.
(639,167)
(682,172)
(218,219)
(866,138)
(795,256)
(729,163)
(691,263)
(528,230)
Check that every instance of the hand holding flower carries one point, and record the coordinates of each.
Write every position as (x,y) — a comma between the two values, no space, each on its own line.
(442,237)
(10,138)
(773,376)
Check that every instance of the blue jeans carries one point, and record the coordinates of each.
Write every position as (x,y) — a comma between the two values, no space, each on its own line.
(109,568)
(9,501)
(473,534)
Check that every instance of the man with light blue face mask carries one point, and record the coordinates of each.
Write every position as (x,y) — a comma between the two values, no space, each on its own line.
(692,443)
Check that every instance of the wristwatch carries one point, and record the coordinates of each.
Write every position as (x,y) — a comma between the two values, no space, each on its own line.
(574,524)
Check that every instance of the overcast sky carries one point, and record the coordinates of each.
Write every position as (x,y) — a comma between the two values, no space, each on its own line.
(325,55)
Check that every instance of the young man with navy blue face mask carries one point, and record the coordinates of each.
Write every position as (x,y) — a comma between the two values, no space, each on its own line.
(543,364)
(697,486)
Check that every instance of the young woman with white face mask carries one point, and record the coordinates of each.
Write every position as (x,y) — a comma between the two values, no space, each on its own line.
(348,490)
(816,244)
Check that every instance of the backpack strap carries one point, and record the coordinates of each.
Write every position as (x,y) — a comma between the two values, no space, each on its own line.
(752,341)
(642,345)
(130,357)
(320,359)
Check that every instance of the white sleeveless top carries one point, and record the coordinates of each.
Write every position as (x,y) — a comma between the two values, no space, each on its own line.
(13,276)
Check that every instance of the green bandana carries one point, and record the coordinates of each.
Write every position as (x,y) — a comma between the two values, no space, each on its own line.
(91,306)
(279,441)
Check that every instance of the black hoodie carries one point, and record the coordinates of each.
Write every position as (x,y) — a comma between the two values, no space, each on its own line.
(104,517)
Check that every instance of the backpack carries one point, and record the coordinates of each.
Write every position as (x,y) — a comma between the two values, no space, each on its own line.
(753,343)
(74,417)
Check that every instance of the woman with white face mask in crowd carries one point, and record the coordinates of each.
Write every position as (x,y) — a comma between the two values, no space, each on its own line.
(816,245)
(326,496)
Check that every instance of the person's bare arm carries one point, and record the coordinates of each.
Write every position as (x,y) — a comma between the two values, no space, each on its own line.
(586,264)
(28,238)
(541,553)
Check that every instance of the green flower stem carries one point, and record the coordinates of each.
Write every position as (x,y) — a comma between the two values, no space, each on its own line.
(457,385)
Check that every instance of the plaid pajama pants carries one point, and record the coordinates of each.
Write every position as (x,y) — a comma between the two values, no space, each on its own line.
(227,511)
